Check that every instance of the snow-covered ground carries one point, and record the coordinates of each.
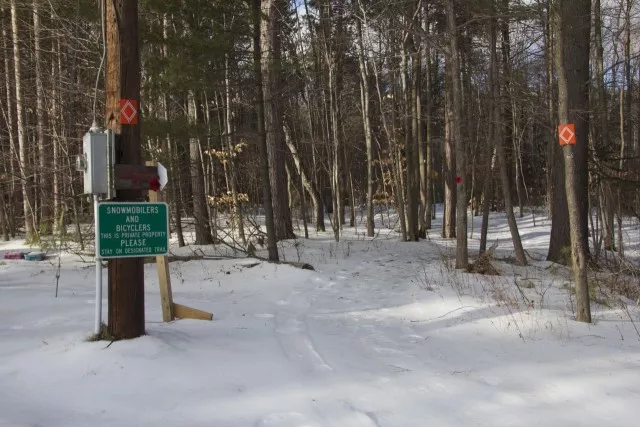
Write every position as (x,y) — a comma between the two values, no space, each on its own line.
(382,334)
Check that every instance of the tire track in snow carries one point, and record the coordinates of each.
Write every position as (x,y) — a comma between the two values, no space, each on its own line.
(296,318)
(293,335)
(345,414)
(333,413)
(295,339)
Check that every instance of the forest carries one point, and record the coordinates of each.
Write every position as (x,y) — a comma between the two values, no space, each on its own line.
(319,213)
(324,114)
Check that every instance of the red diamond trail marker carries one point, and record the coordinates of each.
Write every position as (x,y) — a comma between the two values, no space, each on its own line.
(567,134)
(128,112)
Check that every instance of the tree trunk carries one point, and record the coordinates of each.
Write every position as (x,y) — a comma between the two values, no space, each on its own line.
(462,254)
(499,144)
(578,113)
(559,240)
(336,163)
(57,185)
(398,175)
(602,131)
(24,153)
(352,197)
(10,119)
(572,62)
(418,144)
(4,226)
(237,207)
(200,212)
(366,121)
(174,192)
(174,187)
(272,241)
(487,187)
(449,166)
(626,88)
(428,166)
(552,144)
(517,160)
(44,181)
(271,27)
(408,103)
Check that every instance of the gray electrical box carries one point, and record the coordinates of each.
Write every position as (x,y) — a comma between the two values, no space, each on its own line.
(95,162)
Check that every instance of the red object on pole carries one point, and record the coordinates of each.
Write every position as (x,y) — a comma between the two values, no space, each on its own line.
(128,112)
(154,184)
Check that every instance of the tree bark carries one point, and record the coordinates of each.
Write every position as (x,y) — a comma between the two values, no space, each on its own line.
(58,207)
(572,62)
(272,241)
(271,27)
(408,103)
(462,254)
(602,131)
(336,163)
(487,187)
(366,121)
(626,88)
(560,240)
(428,166)
(552,144)
(237,207)
(418,144)
(10,164)
(200,212)
(449,168)
(26,178)
(499,144)
(174,188)
(44,176)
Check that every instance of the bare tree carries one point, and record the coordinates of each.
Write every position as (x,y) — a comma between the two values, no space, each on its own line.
(366,122)
(453,59)
(271,27)
(573,19)
(26,177)
(262,138)
(499,145)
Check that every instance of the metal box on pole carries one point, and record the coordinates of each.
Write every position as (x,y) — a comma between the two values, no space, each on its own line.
(95,149)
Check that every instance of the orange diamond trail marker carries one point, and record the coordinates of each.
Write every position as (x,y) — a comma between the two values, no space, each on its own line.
(128,112)
(567,134)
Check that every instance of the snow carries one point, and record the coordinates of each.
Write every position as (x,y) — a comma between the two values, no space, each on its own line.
(383,334)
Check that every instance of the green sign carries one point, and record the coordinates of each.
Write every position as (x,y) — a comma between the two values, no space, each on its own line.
(132,230)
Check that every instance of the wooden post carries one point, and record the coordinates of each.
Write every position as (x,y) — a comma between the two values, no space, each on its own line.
(184,312)
(164,279)
(122,81)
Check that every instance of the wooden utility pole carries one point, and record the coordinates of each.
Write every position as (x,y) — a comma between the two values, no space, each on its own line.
(126,275)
